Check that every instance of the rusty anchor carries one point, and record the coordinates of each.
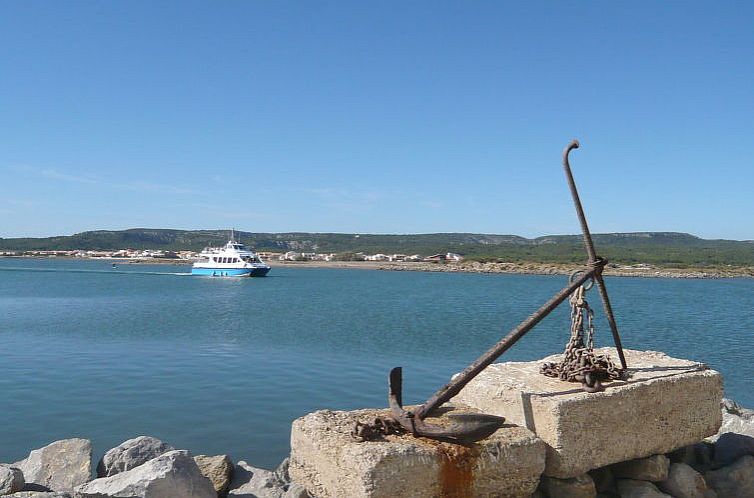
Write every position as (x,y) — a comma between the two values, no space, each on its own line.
(470,427)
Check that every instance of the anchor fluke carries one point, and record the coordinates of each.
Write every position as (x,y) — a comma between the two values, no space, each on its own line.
(463,427)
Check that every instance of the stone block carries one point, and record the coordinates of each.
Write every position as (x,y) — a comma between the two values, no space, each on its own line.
(329,463)
(666,403)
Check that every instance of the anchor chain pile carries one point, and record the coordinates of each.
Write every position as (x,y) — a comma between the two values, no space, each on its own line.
(580,363)
(376,430)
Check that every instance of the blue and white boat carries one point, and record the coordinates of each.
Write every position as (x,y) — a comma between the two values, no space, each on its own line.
(232,260)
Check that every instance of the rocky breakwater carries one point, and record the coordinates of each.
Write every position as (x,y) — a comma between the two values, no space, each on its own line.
(143,467)
(535,268)
(666,431)
(509,464)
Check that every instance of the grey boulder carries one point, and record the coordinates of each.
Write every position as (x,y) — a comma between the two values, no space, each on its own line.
(730,446)
(39,494)
(735,419)
(577,487)
(252,482)
(296,491)
(654,468)
(11,480)
(735,480)
(130,454)
(630,488)
(684,482)
(170,475)
(59,466)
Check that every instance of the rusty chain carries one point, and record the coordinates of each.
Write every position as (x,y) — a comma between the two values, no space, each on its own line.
(580,363)
(376,430)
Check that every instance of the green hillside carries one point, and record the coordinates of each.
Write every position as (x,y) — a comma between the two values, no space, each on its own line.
(661,248)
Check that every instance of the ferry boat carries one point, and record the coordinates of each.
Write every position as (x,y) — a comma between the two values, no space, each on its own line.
(232,260)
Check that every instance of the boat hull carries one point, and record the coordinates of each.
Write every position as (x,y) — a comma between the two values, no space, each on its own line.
(230,272)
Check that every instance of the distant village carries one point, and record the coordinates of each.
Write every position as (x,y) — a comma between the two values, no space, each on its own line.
(136,255)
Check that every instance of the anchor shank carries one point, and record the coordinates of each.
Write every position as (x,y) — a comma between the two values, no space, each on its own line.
(593,258)
(454,386)
(577,202)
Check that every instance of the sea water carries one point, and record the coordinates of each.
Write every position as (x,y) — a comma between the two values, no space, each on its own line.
(223,365)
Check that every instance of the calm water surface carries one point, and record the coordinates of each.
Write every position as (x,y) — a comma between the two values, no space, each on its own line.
(224,365)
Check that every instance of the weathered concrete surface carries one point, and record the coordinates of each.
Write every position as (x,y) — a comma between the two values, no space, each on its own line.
(666,404)
(59,466)
(330,464)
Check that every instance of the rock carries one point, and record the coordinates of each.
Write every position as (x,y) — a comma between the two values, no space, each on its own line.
(683,482)
(629,488)
(736,419)
(282,470)
(667,403)
(730,447)
(735,480)
(698,456)
(59,466)
(170,475)
(218,469)
(130,454)
(604,481)
(575,487)
(330,463)
(11,480)
(654,468)
(252,482)
(296,491)
(39,494)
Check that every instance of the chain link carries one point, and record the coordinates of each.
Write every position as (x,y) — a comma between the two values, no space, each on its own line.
(376,430)
(580,363)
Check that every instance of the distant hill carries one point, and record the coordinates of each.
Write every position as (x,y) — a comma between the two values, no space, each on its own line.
(661,248)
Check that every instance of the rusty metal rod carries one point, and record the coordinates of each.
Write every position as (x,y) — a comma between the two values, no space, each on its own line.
(593,258)
(459,382)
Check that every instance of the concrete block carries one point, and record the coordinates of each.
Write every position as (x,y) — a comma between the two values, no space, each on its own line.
(329,463)
(667,403)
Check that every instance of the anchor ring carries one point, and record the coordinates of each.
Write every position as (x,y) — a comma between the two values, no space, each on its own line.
(575,274)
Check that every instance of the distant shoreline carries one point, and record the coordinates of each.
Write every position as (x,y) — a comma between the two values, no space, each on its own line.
(519,268)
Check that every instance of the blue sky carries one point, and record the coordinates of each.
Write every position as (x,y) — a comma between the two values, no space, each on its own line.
(376,117)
